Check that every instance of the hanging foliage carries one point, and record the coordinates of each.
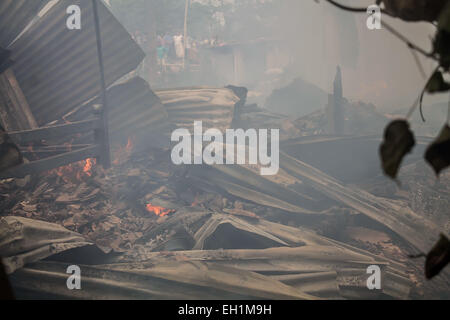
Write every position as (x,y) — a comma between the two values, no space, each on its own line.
(438,257)
(438,153)
(398,141)
(414,10)
(398,138)
(437,83)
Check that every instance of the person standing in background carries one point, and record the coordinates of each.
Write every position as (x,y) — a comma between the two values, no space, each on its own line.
(179,46)
(168,44)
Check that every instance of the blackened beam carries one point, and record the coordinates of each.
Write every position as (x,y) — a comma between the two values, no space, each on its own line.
(50,163)
(21,137)
(53,148)
(102,136)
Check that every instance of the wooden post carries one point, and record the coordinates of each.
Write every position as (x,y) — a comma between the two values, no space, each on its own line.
(338,101)
(186,10)
(334,110)
(102,136)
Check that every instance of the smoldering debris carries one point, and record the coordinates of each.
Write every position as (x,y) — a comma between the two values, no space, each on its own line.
(302,209)
(147,228)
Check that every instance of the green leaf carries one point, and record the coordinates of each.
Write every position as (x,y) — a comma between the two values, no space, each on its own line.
(444,18)
(441,47)
(437,83)
(438,257)
(398,141)
(438,153)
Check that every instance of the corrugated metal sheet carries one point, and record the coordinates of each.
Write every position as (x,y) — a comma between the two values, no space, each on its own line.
(288,190)
(182,280)
(15,16)
(213,106)
(134,111)
(37,239)
(311,267)
(57,68)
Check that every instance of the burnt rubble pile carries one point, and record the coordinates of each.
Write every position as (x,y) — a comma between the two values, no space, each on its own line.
(146,228)
(145,211)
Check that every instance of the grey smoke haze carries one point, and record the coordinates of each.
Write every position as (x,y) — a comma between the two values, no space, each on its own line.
(315,38)
(376,66)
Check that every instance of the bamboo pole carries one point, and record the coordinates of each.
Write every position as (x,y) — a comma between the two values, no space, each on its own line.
(186,11)
(102,135)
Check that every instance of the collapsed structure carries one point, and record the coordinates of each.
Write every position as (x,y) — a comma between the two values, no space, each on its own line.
(148,229)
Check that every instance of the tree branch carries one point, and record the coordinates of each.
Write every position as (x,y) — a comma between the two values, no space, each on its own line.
(346,8)
(388,27)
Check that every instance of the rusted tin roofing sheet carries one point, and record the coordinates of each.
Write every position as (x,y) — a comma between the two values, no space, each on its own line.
(214,106)
(15,15)
(134,111)
(310,267)
(58,68)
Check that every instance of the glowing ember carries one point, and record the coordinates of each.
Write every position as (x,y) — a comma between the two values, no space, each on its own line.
(74,172)
(129,146)
(195,202)
(159,211)
(88,166)
(122,154)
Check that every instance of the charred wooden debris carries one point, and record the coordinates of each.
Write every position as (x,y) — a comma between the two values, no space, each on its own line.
(146,228)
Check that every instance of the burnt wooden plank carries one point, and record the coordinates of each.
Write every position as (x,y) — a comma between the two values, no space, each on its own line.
(50,163)
(21,137)
(20,97)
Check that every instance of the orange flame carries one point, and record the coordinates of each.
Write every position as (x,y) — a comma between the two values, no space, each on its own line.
(195,202)
(159,211)
(129,145)
(88,166)
(122,153)
(74,172)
